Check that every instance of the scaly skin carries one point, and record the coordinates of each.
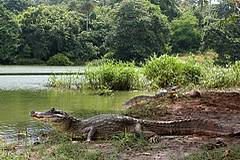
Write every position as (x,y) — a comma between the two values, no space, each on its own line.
(168,93)
(105,125)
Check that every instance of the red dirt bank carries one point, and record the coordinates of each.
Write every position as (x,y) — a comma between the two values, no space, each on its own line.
(223,107)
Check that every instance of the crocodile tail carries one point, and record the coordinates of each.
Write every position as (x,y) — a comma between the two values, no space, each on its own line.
(213,128)
(186,127)
(236,134)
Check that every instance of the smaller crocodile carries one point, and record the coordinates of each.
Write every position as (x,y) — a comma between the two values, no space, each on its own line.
(105,125)
(170,92)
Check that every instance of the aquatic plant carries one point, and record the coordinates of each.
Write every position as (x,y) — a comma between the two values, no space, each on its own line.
(66,81)
(114,76)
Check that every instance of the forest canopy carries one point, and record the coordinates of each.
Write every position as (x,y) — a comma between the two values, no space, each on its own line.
(35,31)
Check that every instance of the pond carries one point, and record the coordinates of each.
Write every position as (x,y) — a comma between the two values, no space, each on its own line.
(31,77)
(20,95)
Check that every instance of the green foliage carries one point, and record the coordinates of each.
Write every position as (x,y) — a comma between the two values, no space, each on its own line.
(59,60)
(57,147)
(168,71)
(9,36)
(216,154)
(48,30)
(128,141)
(224,39)
(186,36)
(16,5)
(101,26)
(218,77)
(65,81)
(140,31)
(116,29)
(168,7)
(222,34)
(113,75)
(70,151)
(165,71)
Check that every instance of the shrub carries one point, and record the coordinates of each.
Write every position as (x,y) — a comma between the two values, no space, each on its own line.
(59,60)
(219,77)
(113,75)
(168,70)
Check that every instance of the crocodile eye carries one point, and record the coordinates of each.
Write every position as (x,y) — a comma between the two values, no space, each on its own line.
(52,110)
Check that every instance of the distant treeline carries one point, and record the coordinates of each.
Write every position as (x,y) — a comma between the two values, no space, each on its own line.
(67,32)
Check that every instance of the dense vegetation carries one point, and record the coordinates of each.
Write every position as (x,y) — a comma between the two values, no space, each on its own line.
(34,31)
(157,72)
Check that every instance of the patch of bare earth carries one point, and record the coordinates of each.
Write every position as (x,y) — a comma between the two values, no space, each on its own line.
(222,107)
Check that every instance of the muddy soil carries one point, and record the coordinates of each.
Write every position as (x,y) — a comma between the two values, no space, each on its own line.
(222,107)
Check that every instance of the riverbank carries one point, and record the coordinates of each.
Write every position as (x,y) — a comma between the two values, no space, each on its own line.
(219,106)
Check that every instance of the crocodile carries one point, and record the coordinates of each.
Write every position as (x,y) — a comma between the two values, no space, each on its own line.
(106,125)
(170,92)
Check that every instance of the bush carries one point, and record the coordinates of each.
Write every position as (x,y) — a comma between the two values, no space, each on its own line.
(59,60)
(113,75)
(167,71)
(218,77)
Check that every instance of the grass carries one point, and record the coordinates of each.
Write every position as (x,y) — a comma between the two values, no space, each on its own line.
(57,147)
(66,81)
(129,141)
(230,153)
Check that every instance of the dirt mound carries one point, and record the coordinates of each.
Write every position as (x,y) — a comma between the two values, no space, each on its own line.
(223,107)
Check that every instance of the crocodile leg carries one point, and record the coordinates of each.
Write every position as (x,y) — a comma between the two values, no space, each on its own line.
(151,136)
(90,132)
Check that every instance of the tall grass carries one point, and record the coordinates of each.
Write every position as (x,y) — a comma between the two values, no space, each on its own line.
(219,77)
(66,81)
(114,76)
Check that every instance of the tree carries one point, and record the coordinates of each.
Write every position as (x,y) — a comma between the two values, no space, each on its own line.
(141,30)
(168,7)
(185,36)
(16,5)
(48,30)
(9,36)
(101,26)
(224,39)
(86,7)
(227,8)
(223,34)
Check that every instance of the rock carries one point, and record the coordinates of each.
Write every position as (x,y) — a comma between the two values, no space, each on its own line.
(194,94)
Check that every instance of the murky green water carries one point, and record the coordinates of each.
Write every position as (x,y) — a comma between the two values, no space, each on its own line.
(16,105)
(21,94)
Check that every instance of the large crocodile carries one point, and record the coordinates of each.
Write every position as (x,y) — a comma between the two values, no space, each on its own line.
(105,125)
